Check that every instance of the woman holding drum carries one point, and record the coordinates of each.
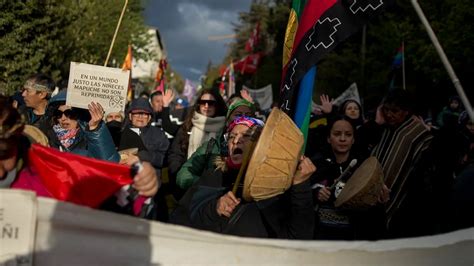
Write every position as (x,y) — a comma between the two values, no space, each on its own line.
(216,203)
(335,166)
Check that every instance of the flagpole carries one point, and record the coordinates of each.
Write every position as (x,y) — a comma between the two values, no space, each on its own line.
(116,31)
(444,59)
(403,65)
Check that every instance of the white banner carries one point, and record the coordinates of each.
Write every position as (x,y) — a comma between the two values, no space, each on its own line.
(68,234)
(105,85)
(264,96)
(17,227)
(350,93)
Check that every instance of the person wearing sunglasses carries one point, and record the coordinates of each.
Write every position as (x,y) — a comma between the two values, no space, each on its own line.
(204,121)
(70,132)
(16,170)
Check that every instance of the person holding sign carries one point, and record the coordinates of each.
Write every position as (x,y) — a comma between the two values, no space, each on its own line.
(69,131)
(17,171)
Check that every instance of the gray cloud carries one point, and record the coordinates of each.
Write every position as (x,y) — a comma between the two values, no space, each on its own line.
(185,26)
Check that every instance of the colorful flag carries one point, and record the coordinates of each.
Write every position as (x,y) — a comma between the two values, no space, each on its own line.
(398,59)
(253,40)
(127,65)
(248,64)
(323,24)
(77,179)
(305,93)
(189,90)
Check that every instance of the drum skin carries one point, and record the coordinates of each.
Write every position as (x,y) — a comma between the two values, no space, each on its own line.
(275,158)
(363,188)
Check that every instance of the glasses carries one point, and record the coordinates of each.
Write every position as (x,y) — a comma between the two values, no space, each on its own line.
(69,113)
(209,102)
(141,114)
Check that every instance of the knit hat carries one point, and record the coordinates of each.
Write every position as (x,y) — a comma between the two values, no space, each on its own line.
(140,105)
(238,103)
(246,121)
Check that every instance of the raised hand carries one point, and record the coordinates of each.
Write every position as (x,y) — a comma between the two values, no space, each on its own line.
(326,104)
(168,97)
(246,95)
(97,114)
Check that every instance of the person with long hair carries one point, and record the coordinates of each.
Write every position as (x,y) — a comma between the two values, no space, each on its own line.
(205,121)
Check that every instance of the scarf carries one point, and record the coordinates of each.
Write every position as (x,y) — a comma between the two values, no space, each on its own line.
(67,137)
(204,128)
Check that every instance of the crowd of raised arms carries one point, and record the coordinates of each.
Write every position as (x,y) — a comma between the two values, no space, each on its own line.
(190,157)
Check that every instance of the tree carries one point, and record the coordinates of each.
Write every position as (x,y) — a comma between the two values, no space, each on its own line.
(46,35)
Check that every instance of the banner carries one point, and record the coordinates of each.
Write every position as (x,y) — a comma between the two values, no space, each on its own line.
(105,85)
(264,96)
(68,234)
(17,226)
(351,93)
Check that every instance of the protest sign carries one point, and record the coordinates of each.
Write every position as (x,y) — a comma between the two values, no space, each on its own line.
(105,85)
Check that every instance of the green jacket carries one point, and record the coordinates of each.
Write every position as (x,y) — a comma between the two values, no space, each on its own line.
(201,160)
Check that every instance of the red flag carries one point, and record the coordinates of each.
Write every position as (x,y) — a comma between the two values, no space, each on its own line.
(77,179)
(248,64)
(253,40)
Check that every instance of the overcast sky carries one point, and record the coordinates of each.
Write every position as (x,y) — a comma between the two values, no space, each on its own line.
(185,26)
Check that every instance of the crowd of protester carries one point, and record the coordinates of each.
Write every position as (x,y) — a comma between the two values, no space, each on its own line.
(191,154)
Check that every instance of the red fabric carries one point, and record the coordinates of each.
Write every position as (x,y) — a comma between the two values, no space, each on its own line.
(253,40)
(29,180)
(77,179)
(248,64)
(311,13)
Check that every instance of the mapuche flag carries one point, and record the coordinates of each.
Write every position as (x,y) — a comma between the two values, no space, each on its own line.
(323,24)
(77,179)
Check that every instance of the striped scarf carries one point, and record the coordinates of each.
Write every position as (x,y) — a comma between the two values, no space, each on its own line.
(67,137)
(398,152)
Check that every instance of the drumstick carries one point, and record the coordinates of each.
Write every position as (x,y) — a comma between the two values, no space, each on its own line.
(243,167)
(344,174)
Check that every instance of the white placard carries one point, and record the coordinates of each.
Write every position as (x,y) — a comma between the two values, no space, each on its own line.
(105,85)
(17,226)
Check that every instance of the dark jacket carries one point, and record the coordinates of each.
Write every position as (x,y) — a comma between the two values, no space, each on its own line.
(288,216)
(155,142)
(42,122)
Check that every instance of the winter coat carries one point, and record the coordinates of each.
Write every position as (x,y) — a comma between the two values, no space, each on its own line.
(95,143)
(153,139)
(288,216)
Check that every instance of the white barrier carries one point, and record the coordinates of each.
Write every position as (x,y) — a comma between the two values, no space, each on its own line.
(67,234)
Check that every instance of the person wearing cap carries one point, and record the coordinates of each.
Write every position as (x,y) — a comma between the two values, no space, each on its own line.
(16,171)
(36,92)
(151,142)
(210,204)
